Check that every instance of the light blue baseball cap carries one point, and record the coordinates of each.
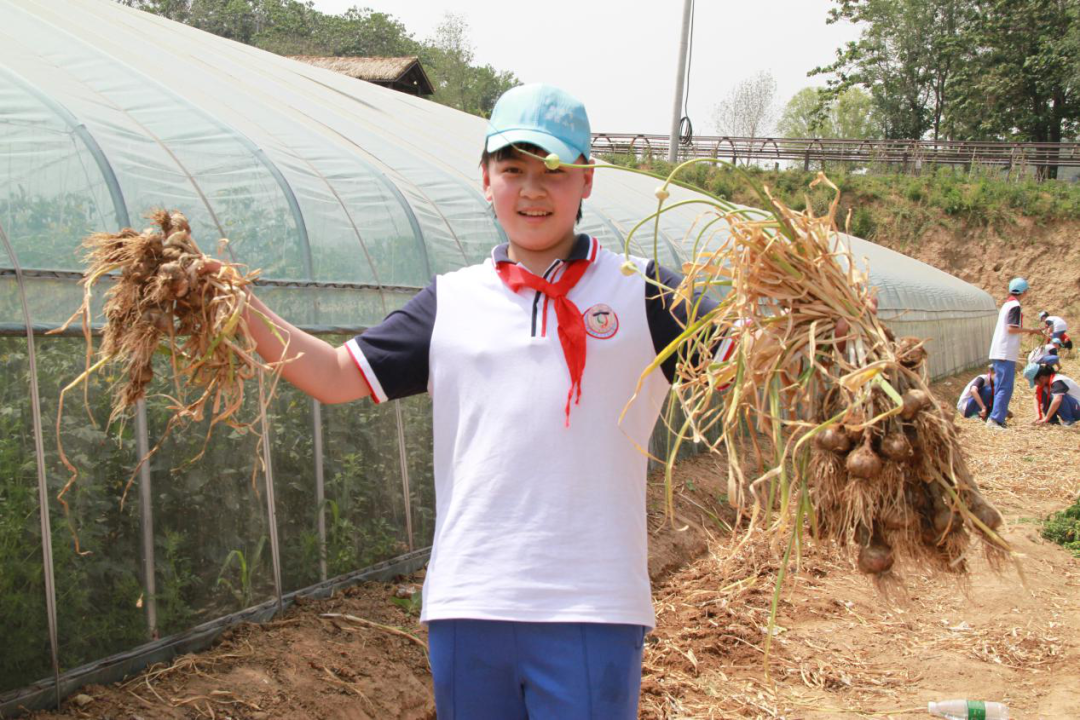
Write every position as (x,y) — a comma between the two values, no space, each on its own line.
(1018,285)
(544,116)
(1030,371)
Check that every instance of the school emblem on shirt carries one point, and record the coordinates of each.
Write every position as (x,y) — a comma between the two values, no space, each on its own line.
(601,321)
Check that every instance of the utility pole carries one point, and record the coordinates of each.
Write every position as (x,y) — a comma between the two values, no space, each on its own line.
(680,83)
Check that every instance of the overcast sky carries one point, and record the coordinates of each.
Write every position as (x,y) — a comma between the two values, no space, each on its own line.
(620,57)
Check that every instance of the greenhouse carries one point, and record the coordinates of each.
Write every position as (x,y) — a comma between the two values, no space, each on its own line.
(349,197)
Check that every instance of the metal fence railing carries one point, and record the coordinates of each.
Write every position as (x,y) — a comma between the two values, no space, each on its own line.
(906,155)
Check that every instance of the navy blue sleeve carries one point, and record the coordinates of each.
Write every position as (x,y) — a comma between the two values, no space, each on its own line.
(979,382)
(1014,316)
(1059,388)
(667,322)
(396,350)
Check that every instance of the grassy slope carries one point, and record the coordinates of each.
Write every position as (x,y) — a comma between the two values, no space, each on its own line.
(981,228)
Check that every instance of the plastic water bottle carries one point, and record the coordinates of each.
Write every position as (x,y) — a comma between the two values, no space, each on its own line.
(968,710)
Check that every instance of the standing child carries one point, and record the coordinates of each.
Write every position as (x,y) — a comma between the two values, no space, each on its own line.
(978,396)
(1005,351)
(1057,397)
(537,595)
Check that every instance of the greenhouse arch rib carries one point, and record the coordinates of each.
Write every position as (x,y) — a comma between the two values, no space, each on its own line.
(291,197)
(417,230)
(116,193)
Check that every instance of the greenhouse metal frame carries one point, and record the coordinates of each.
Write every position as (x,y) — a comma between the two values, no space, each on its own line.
(349,197)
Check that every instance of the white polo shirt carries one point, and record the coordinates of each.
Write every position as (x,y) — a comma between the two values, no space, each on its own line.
(1006,345)
(1064,385)
(973,388)
(535,521)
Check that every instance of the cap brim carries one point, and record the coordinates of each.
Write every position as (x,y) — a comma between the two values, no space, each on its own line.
(498,140)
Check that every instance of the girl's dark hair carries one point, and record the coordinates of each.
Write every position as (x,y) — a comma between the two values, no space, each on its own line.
(511,151)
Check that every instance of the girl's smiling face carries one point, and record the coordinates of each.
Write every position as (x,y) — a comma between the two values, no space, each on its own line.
(536,206)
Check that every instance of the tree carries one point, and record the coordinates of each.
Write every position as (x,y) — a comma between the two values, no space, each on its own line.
(487,86)
(1020,78)
(815,112)
(451,55)
(233,19)
(749,108)
(362,32)
(854,115)
(906,58)
(458,83)
(806,115)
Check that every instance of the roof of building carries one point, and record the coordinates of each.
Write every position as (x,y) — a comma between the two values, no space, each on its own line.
(383,70)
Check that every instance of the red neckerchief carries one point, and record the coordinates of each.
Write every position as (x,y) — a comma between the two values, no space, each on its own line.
(571,321)
(1039,394)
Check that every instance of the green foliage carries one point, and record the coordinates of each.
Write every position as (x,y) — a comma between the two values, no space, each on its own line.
(175,583)
(816,112)
(459,83)
(964,69)
(45,228)
(805,115)
(1020,84)
(359,531)
(899,207)
(412,604)
(1063,528)
(239,577)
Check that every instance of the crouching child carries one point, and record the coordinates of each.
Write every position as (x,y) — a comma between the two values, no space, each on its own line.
(1057,397)
(978,396)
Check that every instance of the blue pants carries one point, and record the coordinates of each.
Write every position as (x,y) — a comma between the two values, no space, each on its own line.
(1068,411)
(972,408)
(491,670)
(1004,375)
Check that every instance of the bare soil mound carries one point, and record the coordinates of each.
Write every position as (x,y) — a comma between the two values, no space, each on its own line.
(1047,255)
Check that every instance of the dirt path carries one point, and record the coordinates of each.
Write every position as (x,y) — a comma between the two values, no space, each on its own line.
(841,648)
